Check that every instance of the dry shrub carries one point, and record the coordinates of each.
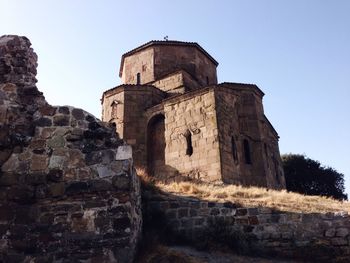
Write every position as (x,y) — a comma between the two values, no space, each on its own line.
(220,195)
(196,191)
(147,182)
(185,187)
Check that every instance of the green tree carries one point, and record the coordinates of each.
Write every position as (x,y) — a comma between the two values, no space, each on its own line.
(307,176)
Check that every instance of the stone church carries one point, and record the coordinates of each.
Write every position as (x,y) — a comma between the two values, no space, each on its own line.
(181,122)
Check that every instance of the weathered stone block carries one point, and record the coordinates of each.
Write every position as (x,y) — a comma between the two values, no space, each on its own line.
(57,162)
(187,223)
(77,188)
(253,211)
(124,152)
(11,164)
(121,182)
(183,212)
(61,120)
(100,185)
(56,142)
(230,205)
(241,212)
(193,212)
(171,213)
(342,232)
(78,114)
(43,122)
(47,110)
(330,232)
(57,189)
(63,110)
(253,220)
(241,221)
(214,211)
(339,241)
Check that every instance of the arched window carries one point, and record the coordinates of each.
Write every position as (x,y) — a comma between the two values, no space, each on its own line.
(234,150)
(189,148)
(246,147)
(138,78)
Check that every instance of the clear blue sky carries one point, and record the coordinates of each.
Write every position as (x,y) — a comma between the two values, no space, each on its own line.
(297,52)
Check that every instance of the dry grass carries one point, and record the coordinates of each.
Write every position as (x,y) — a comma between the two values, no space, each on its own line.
(250,196)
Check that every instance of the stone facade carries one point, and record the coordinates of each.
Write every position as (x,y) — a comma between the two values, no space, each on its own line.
(68,189)
(212,132)
(307,236)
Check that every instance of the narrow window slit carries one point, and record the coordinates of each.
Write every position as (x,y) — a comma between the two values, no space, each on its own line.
(138,78)
(247,157)
(189,148)
(234,150)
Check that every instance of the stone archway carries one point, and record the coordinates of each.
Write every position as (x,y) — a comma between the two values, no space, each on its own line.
(156,144)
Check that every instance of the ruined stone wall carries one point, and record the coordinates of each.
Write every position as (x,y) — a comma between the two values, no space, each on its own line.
(68,189)
(194,115)
(310,236)
(142,62)
(168,59)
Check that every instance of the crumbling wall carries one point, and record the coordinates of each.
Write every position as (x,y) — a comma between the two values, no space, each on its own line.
(68,189)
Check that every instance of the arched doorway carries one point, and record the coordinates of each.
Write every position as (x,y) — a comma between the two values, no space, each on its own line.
(156,144)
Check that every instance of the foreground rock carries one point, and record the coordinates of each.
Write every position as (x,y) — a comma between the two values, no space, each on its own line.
(68,189)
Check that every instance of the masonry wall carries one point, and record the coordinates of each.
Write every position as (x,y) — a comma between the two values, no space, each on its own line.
(168,59)
(133,100)
(231,150)
(195,114)
(172,83)
(273,162)
(177,82)
(314,237)
(141,62)
(240,117)
(113,109)
(237,119)
(68,189)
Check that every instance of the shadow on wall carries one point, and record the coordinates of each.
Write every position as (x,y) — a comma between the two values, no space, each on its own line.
(259,231)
